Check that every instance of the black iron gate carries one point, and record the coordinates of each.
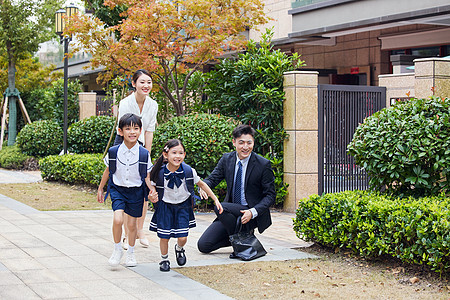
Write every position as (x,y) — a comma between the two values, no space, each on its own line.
(341,109)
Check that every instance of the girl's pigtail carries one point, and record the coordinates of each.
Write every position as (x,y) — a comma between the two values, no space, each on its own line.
(155,170)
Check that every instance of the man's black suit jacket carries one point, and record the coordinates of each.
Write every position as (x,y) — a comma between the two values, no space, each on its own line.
(259,184)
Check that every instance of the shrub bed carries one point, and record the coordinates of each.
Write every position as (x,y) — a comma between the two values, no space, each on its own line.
(371,224)
(73,168)
(90,135)
(12,158)
(406,147)
(40,138)
(206,138)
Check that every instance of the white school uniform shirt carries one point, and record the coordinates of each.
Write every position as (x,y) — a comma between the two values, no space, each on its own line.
(148,114)
(127,166)
(177,194)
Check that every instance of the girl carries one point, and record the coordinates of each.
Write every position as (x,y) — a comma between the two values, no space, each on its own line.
(174,181)
(140,104)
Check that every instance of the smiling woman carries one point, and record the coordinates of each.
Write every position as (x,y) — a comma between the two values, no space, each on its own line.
(140,104)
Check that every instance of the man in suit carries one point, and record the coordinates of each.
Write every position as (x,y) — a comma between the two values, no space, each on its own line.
(250,191)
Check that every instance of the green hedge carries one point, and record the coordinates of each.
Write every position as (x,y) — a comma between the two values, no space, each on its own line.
(12,158)
(371,224)
(206,138)
(406,147)
(73,168)
(90,135)
(40,138)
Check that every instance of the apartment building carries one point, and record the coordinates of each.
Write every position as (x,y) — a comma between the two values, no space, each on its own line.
(354,41)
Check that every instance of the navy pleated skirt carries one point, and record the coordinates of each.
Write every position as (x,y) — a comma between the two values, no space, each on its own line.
(172,220)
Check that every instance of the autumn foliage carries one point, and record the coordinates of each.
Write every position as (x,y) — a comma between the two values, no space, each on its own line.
(168,38)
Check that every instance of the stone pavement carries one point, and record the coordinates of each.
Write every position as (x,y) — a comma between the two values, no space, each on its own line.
(64,254)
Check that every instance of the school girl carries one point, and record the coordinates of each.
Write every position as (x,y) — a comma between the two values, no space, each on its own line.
(174,181)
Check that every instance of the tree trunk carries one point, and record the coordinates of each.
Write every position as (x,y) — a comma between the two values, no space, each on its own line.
(12,123)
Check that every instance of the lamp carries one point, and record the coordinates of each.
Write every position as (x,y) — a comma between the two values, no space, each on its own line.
(61,17)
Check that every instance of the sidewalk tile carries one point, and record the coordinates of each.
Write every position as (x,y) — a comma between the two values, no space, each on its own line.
(55,290)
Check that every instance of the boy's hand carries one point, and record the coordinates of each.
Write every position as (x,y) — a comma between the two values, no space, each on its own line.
(100,197)
(153,196)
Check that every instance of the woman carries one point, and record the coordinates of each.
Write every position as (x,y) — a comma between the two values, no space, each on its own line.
(140,104)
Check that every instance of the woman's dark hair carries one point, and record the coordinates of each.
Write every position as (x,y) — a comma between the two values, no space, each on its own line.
(138,74)
(243,129)
(158,164)
(129,119)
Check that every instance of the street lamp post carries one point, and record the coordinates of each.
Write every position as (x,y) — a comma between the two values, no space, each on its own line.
(61,17)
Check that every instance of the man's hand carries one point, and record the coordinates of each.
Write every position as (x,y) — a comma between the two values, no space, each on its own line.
(247,216)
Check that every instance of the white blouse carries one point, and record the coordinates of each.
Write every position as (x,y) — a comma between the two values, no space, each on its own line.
(148,114)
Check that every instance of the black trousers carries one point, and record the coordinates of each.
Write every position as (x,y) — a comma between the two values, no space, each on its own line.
(217,234)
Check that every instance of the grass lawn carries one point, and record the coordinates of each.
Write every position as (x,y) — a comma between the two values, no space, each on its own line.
(332,276)
(53,196)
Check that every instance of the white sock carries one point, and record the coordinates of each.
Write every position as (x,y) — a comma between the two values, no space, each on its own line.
(130,249)
(178,247)
(118,246)
(165,257)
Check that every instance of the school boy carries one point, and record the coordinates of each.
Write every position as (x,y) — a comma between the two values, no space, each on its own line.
(127,168)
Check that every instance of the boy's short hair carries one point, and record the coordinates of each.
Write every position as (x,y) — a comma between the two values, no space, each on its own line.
(243,129)
(130,119)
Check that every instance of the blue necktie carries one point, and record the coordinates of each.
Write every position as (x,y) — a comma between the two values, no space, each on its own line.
(238,185)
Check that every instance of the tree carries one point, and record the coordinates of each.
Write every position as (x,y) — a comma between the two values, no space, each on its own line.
(168,38)
(23,25)
(249,88)
(31,76)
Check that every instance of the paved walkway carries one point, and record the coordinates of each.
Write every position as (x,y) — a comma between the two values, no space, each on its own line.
(64,254)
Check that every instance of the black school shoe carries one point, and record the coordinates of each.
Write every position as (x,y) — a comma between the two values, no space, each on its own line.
(233,255)
(181,257)
(164,266)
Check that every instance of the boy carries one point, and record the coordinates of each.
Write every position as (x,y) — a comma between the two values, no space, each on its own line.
(130,165)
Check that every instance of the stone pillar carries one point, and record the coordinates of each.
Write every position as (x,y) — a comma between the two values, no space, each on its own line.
(432,77)
(301,124)
(88,105)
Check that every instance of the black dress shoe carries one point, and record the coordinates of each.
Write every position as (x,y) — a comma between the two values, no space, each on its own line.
(181,257)
(164,266)
(233,256)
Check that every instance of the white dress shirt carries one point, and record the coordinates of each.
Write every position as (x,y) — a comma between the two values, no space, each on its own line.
(244,163)
(127,166)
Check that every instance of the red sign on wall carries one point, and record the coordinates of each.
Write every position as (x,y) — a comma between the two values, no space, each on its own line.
(354,70)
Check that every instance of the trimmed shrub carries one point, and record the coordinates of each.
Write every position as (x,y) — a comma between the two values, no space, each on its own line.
(206,138)
(90,135)
(371,224)
(406,147)
(40,138)
(12,158)
(49,102)
(73,168)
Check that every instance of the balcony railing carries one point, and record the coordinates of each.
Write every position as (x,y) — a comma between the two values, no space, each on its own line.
(300,3)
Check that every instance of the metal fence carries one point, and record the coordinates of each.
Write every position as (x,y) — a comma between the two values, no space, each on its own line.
(341,109)
(103,107)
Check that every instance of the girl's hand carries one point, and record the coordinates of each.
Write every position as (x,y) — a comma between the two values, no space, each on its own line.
(100,197)
(219,206)
(153,196)
(203,194)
